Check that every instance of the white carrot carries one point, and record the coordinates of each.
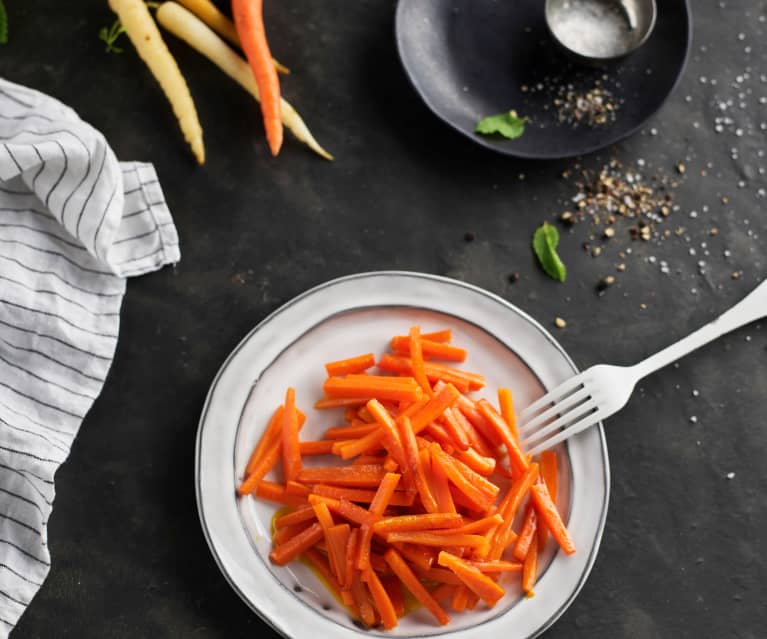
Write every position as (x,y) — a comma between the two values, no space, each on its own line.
(208,12)
(185,25)
(145,36)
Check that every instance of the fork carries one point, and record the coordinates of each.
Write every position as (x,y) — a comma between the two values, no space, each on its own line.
(600,391)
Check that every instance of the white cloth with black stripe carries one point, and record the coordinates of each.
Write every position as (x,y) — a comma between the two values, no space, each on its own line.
(74,223)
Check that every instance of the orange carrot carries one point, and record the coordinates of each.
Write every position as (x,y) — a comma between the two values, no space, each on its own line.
(506,405)
(421,556)
(481,500)
(508,509)
(439,575)
(367,614)
(337,541)
(319,447)
(434,407)
(460,597)
(338,402)
(480,584)
(350,432)
(443,592)
(394,589)
(430,348)
(476,527)
(351,365)
(438,541)
(294,546)
(479,464)
(469,410)
(370,386)
(377,507)
(414,463)
(277,492)
(517,458)
(455,429)
(381,599)
(291,453)
(350,568)
(411,582)
(427,521)
(414,346)
(366,460)
(403,366)
(249,22)
(442,493)
(442,336)
(491,567)
(288,532)
(549,474)
(548,512)
(476,439)
(360,495)
(526,535)
(371,441)
(270,435)
(317,559)
(302,514)
(297,489)
(530,570)
(355,476)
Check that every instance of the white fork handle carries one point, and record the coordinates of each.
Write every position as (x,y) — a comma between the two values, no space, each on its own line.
(749,309)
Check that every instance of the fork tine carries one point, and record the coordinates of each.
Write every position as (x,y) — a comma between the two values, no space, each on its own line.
(572,415)
(567,433)
(559,407)
(549,398)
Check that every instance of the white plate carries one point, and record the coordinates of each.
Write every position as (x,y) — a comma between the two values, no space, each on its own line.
(343,318)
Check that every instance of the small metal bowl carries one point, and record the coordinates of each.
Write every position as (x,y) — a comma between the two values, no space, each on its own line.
(599,31)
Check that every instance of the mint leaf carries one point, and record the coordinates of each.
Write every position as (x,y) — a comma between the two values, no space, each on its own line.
(508,124)
(3,24)
(545,240)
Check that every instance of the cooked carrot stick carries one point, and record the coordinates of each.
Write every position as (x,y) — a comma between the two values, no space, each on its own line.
(367,459)
(421,556)
(417,471)
(277,492)
(530,570)
(455,429)
(392,441)
(517,458)
(430,348)
(353,476)
(302,514)
(350,432)
(249,22)
(291,451)
(443,592)
(416,358)
(434,407)
(356,364)
(548,512)
(350,567)
(288,532)
(469,410)
(480,500)
(297,488)
(369,386)
(380,598)
(439,575)
(320,563)
(482,465)
(377,507)
(365,608)
(346,509)
(413,407)
(337,540)
(408,523)
(145,36)
(506,406)
(472,600)
(473,579)
(494,567)
(294,546)
(439,435)
(549,474)
(441,488)
(371,441)
(526,535)
(394,589)
(337,402)
(437,541)
(360,495)
(406,576)
(476,440)
(476,527)
(319,447)
(271,433)
(508,508)
(403,366)
(323,516)
(460,597)
(482,484)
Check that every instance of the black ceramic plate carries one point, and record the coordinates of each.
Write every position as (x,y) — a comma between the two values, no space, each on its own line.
(472,58)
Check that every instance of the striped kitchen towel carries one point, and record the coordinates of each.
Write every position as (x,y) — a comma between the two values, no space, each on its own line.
(74,223)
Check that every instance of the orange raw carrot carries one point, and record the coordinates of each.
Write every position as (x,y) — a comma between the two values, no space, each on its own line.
(369,386)
(249,22)
(414,463)
(319,447)
(430,348)
(473,579)
(517,458)
(526,535)
(427,521)
(530,570)
(548,512)
(506,405)
(294,546)
(355,476)
(406,576)
(350,365)
(380,598)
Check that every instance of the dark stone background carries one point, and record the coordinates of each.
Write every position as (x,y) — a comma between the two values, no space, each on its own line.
(683,548)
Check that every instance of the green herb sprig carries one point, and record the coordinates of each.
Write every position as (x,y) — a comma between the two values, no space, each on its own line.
(109,35)
(3,24)
(507,124)
(545,240)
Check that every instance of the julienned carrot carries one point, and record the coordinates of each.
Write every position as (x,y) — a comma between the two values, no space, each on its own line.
(476,527)
(363,605)
(473,579)
(530,570)
(548,512)
(249,22)
(393,588)
(349,432)
(371,441)
(356,364)
(302,514)
(416,358)
(288,532)
(350,567)
(409,523)
(517,458)
(436,541)
(508,509)
(291,452)
(460,378)
(526,535)
(268,439)
(392,441)
(469,410)
(476,439)
(337,540)
(459,480)
(442,336)
(370,386)
(441,488)
(271,491)
(421,556)
(361,495)
(354,476)
(493,567)
(435,407)
(443,592)
(337,402)
(294,546)
(413,461)
(506,406)
(430,348)
(145,36)
(377,507)
(381,599)
(455,429)
(440,575)
(482,465)
(319,447)
(347,510)
(411,582)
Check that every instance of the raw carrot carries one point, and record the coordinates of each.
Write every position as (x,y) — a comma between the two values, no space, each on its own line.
(373,386)
(506,405)
(249,22)
(548,512)
(353,476)
(530,570)
(416,358)
(473,579)
(411,582)
(430,348)
(381,599)
(145,36)
(526,535)
(291,451)
(356,364)
(294,546)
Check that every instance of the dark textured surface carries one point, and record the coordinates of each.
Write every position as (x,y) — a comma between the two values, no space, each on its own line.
(683,549)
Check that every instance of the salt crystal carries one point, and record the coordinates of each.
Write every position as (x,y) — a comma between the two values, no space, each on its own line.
(693,420)
(730,475)
(695,392)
